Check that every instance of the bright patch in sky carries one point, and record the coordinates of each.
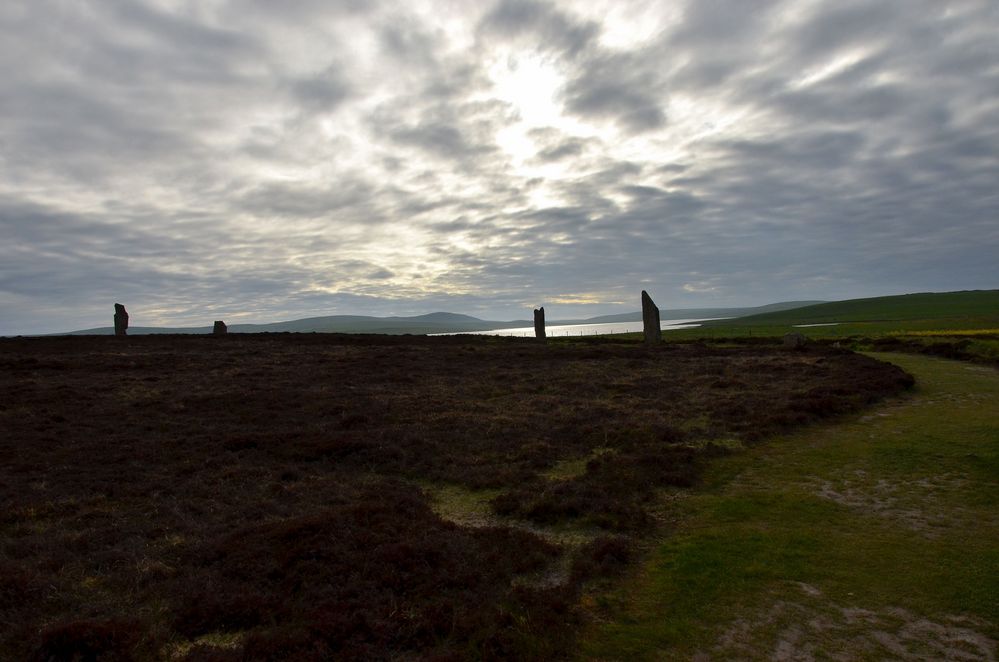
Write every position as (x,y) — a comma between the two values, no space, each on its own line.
(529,84)
(834,66)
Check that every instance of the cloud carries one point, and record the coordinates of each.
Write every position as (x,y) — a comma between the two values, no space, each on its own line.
(381,157)
(567,149)
(698,288)
(556,146)
(440,138)
(618,88)
(541,24)
(322,92)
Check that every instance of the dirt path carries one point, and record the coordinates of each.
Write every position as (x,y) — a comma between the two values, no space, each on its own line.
(874,539)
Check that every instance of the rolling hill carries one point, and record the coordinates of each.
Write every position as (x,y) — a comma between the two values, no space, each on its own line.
(697,313)
(440,322)
(968,304)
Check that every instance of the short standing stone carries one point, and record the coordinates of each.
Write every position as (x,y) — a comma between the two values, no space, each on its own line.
(650,320)
(120,320)
(539,323)
(794,340)
(220,328)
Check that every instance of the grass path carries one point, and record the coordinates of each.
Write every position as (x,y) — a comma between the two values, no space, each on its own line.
(875,538)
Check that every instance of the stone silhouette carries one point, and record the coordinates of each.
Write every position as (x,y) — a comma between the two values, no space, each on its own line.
(794,340)
(650,320)
(220,328)
(539,323)
(120,320)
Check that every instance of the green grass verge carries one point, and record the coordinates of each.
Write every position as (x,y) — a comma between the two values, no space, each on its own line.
(962,314)
(970,304)
(875,537)
(872,329)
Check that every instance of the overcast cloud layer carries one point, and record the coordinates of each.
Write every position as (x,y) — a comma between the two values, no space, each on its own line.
(252,161)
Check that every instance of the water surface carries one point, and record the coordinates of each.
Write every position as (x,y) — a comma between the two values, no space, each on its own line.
(586,329)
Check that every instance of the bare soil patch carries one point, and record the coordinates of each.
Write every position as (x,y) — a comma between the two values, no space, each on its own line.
(923,505)
(813,627)
(253,497)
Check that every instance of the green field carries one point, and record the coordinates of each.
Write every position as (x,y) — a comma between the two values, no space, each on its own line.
(876,538)
(976,310)
(962,325)
(933,315)
(952,306)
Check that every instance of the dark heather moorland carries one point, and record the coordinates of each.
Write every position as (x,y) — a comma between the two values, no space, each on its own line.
(271,496)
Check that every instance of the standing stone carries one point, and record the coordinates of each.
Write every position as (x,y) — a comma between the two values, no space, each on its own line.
(539,323)
(650,320)
(120,320)
(220,328)
(794,340)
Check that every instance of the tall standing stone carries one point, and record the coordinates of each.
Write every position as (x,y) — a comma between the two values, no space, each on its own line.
(220,328)
(650,320)
(539,323)
(120,320)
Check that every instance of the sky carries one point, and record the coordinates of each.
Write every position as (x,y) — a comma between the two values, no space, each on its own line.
(255,161)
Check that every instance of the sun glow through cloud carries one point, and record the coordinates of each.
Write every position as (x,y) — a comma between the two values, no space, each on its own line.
(529,83)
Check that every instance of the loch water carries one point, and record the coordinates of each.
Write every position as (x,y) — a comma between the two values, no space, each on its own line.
(556,331)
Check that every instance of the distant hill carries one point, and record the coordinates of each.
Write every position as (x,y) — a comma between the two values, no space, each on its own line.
(440,322)
(418,324)
(925,305)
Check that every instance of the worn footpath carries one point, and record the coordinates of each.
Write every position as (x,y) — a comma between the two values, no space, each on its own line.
(874,538)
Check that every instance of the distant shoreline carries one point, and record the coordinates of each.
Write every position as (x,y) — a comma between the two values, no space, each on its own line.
(604,328)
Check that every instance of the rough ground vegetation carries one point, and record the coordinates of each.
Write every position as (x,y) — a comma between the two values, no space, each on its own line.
(269,496)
